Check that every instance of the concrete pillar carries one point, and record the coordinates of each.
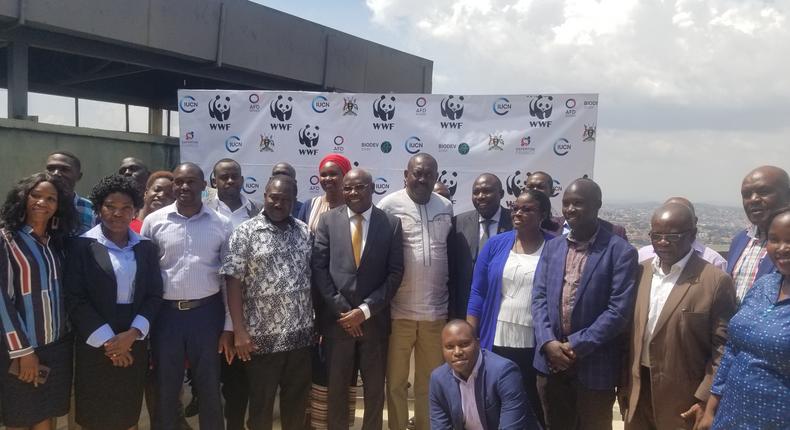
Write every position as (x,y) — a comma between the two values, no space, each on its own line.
(17,53)
(155,121)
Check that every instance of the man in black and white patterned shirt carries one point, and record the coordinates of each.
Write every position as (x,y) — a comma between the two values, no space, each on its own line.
(268,274)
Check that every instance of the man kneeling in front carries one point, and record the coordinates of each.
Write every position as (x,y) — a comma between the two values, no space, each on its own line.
(476,389)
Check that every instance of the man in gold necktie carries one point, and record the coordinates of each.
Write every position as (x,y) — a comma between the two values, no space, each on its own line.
(357,266)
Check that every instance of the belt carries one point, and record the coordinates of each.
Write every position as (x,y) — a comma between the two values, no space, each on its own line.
(185,305)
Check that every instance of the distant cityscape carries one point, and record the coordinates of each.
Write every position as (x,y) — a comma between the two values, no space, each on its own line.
(717,224)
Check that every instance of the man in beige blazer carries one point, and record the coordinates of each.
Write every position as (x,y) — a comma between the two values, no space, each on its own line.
(679,328)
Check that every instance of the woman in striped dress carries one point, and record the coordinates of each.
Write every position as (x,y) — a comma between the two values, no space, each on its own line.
(37,348)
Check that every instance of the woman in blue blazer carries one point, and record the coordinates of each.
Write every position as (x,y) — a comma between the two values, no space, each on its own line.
(501,294)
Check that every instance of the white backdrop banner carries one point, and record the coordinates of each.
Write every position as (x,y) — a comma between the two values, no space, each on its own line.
(508,135)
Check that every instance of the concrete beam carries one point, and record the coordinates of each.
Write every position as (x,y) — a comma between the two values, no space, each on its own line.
(17,62)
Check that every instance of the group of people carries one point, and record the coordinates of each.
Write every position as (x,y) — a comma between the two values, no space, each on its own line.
(552,318)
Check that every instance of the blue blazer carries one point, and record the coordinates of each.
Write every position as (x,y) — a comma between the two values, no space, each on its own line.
(602,312)
(501,401)
(737,246)
(485,296)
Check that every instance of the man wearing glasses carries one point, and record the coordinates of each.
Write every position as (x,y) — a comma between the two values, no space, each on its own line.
(679,329)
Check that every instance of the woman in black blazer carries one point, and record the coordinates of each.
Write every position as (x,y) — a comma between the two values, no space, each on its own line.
(113,290)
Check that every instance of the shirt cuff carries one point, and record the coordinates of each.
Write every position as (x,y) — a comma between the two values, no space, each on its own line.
(365,310)
(141,323)
(21,352)
(98,338)
(228,322)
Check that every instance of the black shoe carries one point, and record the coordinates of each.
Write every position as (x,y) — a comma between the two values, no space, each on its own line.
(192,408)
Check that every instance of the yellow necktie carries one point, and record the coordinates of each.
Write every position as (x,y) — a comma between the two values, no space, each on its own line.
(356,238)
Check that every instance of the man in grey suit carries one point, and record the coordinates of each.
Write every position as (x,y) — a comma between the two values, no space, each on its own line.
(470,232)
(357,266)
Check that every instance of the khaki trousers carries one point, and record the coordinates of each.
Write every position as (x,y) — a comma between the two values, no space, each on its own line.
(425,338)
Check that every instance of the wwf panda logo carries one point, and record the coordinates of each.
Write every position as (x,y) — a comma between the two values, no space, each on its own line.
(384,109)
(452,108)
(514,184)
(541,107)
(219,109)
(281,108)
(449,179)
(308,136)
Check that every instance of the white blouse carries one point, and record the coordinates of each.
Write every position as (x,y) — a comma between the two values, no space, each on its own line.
(514,322)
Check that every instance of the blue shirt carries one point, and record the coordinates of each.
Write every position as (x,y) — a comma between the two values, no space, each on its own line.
(85,216)
(124,265)
(753,379)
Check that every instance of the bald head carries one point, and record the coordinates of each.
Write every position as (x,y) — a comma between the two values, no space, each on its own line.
(360,173)
(283,168)
(586,187)
(681,201)
(580,204)
(672,233)
(190,167)
(487,193)
(420,175)
(764,190)
(676,214)
(421,158)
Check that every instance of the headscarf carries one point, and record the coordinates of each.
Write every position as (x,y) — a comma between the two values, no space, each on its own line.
(338,159)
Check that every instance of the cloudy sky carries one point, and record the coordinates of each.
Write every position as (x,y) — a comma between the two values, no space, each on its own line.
(693,93)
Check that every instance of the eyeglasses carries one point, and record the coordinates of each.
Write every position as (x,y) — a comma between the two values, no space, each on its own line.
(357,188)
(669,237)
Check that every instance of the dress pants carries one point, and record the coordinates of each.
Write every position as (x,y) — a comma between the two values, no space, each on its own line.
(523,358)
(643,415)
(425,338)
(190,335)
(568,405)
(291,372)
(370,351)
(234,390)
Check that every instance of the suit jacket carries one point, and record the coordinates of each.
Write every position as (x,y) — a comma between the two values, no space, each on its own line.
(616,229)
(499,394)
(341,285)
(687,343)
(90,288)
(602,312)
(463,248)
(737,246)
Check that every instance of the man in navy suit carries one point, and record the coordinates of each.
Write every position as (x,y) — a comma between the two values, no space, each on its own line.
(763,190)
(476,389)
(583,299)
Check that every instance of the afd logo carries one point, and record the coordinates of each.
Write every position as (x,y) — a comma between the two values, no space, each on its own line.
(383,108)
(501,106)
(413,145)
(187,104)
(320,104)
(251,185)
(422,106)
(562,147)
(281,108)
(380,186)
(314,188)
(308,136)
(450,180)
(233,144)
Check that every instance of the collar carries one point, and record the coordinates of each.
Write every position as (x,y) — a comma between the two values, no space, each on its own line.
(698,246)
(172,209)
(472,375)
(97,233)
(245,203)
(587,242)
(754,233)
(263,222)
(365,215)
(495,217)
(676,268)
(28,230)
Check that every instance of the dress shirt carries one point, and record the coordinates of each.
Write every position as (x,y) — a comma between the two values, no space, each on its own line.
(745,270)
(273,265)
(469,398)
(365,227)
(493,227)
(514,321)
(707,254)
(85,214)
(124,265)
(241,214)
(423,293)
(575,261)
(190,252)
(660,287)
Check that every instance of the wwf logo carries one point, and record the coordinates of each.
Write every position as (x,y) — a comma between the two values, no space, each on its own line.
(514,184)
(281,108)
(350,106)
(589,133)
(384,109)
(267,143)
(449,179)
(219,109)
(452,108)
(308,136)
(540,107)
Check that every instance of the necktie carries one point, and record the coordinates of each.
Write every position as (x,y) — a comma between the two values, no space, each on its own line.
(486,232)
(356,238)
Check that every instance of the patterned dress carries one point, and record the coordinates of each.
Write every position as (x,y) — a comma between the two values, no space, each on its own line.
(753,379)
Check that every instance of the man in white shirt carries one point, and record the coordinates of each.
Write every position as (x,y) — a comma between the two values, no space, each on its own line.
(228,199)
(679,328)
(707,254)
(419,308)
